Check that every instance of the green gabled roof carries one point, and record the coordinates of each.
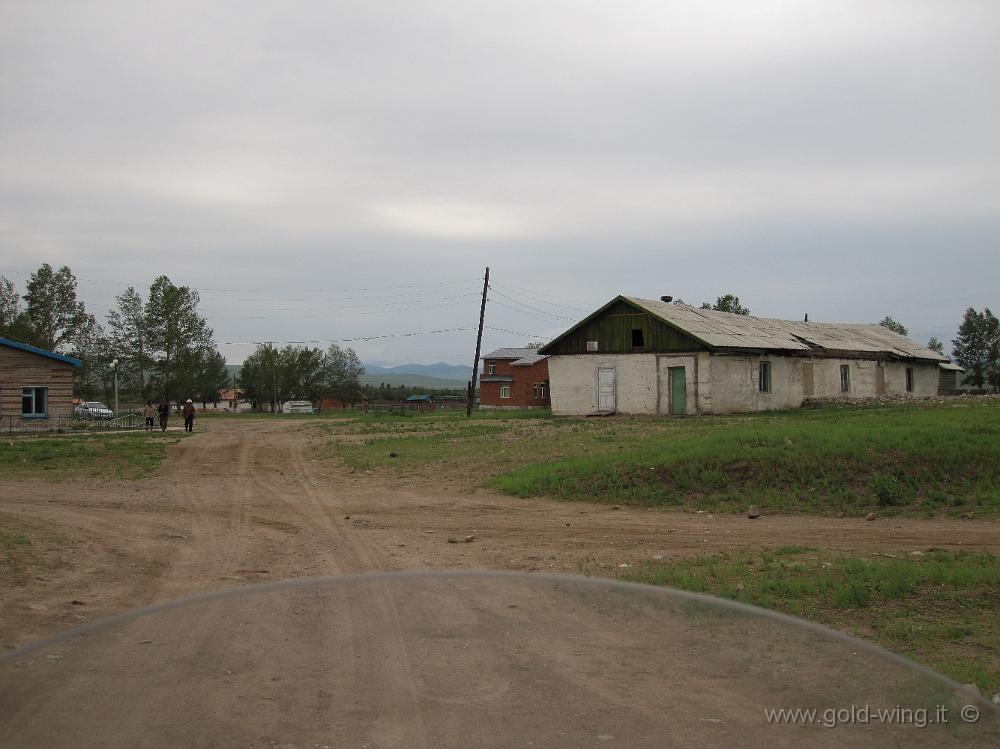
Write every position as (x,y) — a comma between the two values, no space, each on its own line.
(635,303)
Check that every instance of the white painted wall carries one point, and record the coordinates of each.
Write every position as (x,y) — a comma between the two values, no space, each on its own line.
(735,387)
(720,383)
(573,383)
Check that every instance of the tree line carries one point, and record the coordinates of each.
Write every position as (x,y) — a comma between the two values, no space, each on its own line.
(271,376)
(164,348)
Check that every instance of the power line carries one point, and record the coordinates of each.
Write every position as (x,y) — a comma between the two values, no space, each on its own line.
(546,293)
(251,291)
(353,310)
(542,301)
(528,306)
(516,332)
(349,340)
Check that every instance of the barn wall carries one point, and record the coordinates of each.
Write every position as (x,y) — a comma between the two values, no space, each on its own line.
(723,383)
(19,369)
(733,384)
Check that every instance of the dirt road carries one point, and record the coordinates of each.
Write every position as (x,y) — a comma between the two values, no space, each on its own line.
(248,502)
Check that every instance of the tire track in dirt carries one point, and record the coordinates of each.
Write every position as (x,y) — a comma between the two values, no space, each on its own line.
(383,654)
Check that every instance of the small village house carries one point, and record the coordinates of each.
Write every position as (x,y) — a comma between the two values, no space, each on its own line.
(514,378)
(34,383)
(643,356)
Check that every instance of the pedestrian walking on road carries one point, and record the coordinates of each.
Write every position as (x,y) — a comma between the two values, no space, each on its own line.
(188,413)
(164,411)
(149,415)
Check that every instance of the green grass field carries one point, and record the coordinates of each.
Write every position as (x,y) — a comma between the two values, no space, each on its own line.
(938,608)
(922,459)
(119,456)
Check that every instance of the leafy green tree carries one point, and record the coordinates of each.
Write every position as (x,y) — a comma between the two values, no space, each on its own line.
(977,348)
(127,338)
(94,377)
(894,326)
(10,304)
(343,371)
(272,376)
(14,323)
(57,318)
(206,377)
(935,345)
(177,337)
(304,373)
(727,303)
(54,319)
(260,375)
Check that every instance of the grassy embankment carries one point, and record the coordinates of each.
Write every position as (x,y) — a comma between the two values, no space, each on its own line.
(938,608)
(919,460)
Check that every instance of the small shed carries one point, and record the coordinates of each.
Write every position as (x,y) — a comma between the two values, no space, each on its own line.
(949,378)
(420,402)
(35,384)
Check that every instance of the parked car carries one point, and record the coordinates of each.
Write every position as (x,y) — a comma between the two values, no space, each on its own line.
(297,407)
(93,410)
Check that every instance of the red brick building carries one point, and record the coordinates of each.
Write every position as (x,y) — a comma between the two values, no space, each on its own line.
(514,378)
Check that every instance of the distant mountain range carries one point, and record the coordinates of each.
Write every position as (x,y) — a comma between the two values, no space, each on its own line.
(440,376)
(441,370)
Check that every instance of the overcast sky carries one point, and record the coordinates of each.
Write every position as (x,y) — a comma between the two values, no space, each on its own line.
(335,170)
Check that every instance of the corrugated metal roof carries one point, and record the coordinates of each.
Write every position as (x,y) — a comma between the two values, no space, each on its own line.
(726,330)
(40,351)
(524,357)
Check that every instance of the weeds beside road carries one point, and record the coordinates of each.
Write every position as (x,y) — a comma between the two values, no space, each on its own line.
(127,455)
(938,607)
(918,460)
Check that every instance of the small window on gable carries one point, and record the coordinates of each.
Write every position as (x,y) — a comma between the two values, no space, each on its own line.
(638,339)
(909,379)
(591,345)
(764,377)
(845,378)
(491,367)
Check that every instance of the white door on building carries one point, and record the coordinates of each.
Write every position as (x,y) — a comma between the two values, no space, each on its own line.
(606,389)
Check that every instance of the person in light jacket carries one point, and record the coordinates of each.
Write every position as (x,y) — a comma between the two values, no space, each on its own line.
(188,413)
(149,416)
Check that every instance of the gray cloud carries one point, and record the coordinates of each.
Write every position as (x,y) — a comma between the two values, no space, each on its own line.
(832,157)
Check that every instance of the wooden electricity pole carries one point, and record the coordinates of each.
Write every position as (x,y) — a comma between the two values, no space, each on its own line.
(479,343)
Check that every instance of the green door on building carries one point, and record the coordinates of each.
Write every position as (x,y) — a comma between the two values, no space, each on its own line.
(678,391)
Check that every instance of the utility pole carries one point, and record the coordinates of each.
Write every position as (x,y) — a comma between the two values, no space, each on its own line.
(479,343)
(114,368)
